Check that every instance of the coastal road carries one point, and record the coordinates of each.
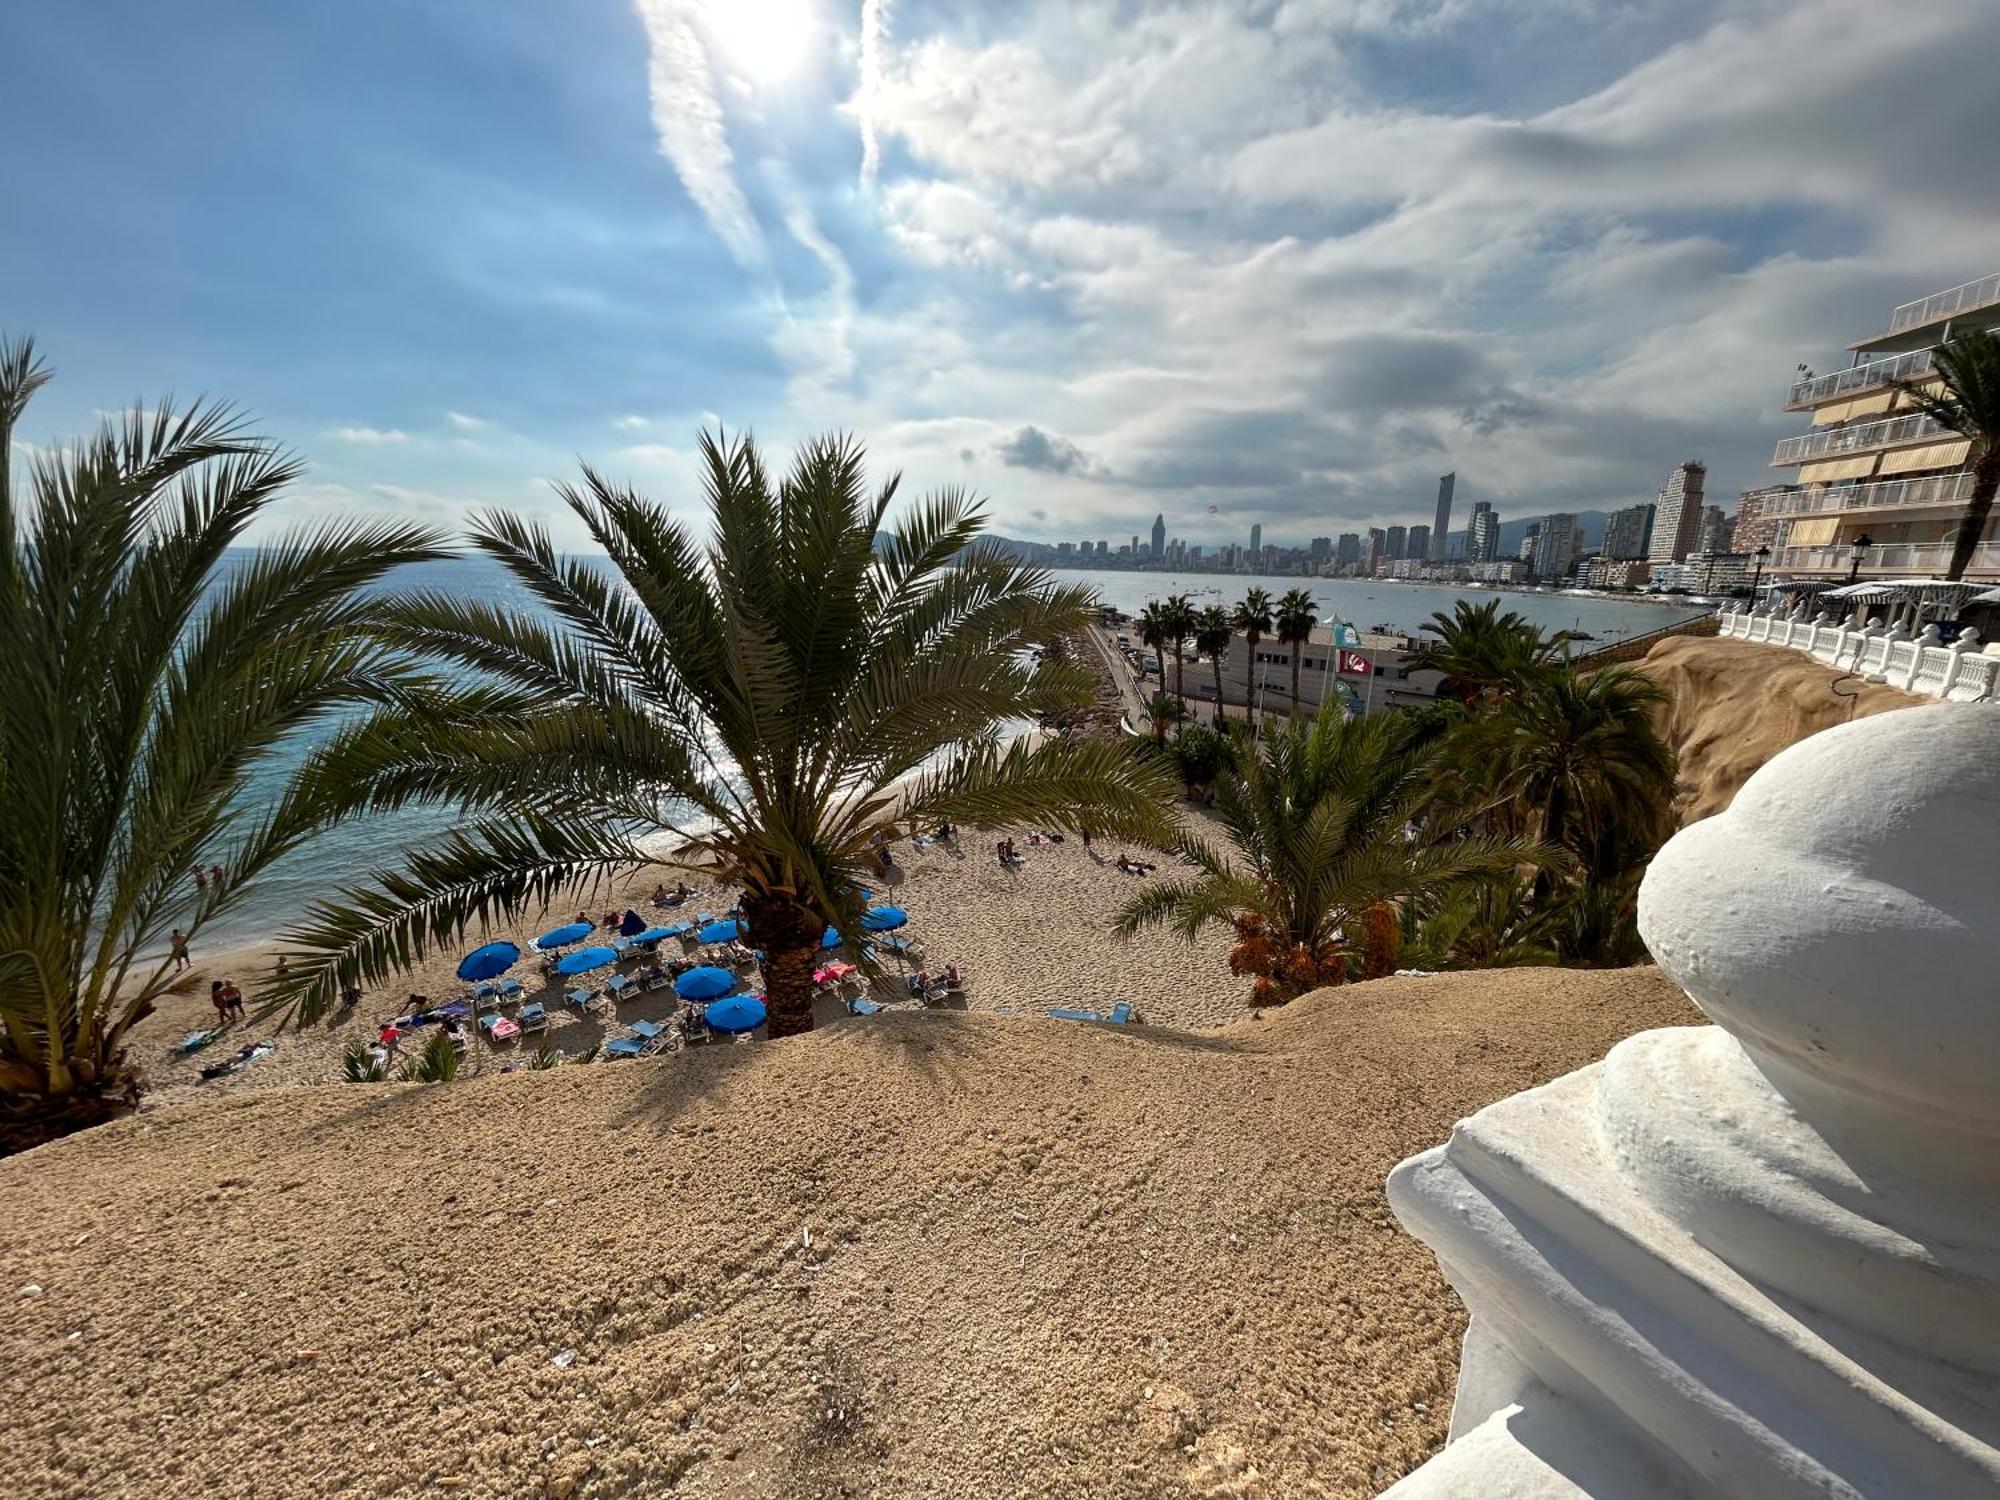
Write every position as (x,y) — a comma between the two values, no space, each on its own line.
(1131,700)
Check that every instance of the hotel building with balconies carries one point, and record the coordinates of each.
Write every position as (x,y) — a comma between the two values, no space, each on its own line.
(1869,467)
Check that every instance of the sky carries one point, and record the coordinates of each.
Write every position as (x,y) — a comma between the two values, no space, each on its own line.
(1277,261)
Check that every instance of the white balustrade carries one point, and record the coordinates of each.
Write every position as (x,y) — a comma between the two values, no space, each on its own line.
(1963,672)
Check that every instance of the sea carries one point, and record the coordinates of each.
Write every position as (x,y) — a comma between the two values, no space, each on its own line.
(354,850)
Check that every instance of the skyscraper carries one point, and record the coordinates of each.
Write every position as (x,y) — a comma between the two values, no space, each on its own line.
(1628,533)
(1396,544)
(1376,542)
(1159,537)
(1677,515)
(1714,534)
(1555,546)
(1347,549)
(1441,522)
(1420,543)
(1257,540)
(1757,519)
(1482,534)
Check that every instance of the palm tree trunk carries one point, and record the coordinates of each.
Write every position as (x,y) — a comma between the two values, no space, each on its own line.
(1972,525)
(1298,649)
(789,936)
(1250,681)
(1180,682)
(1216,662)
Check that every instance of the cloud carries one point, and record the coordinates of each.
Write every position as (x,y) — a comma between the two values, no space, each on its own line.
(632,423)
(874,41)
(693,133)
(368,437)
(466,423)
(1032,448)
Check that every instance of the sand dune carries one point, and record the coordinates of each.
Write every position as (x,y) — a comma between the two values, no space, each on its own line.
(938,1255)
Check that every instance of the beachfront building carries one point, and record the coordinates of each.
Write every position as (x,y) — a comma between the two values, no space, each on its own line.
(1159,537)
(1482,533)
(1677,515)
(1757,518)
(1370,672)
(1871,468)
(1706,573)
(1556,544)
(1418,548)
(1628,532)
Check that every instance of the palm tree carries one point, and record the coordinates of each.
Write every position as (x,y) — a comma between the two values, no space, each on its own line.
(154,676)
(1163,711)
(1320,828)
(1295,621)
(1156,629)
(1575,754)
(1483,652)
(1253,617)
(1181,618)
(1969,369)
(1212,635)
(776,703)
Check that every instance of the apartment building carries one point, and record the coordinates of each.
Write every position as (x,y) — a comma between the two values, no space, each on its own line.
(1757,519)
(1628,533)
(1880,488)
(1677,515)
(1555,547)
(1482,534)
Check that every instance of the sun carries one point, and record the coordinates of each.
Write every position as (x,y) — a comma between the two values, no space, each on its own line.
(763,41)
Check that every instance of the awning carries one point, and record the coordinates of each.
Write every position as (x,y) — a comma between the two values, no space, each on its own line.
(1837,468)
(1860,591)
(1935,456)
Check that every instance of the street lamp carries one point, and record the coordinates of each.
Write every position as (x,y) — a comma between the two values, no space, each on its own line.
(1763,555)
(1859,549)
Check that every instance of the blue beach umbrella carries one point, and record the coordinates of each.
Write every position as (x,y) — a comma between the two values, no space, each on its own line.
(563,936)
(721,932)
(585,959)
(830,938)
(737,1013)
(656,934)
(884,918)
(705,983)
(488,962)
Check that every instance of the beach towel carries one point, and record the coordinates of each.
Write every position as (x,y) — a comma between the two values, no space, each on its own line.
(240,1061)
(194,1041)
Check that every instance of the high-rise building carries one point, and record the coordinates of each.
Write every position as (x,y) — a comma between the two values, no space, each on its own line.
(1677,514)
(1347,549)
(1378,542)
(1396,543)
(1320,549)
(1628,533)
(1482,534)
(1419,546)
(1714,534)
(1870,465)
(1159,537)
(1135,544)
(1103,548)
(1758,517)
(1528,541)
(1441,522)
(1257,539)
(1556,539)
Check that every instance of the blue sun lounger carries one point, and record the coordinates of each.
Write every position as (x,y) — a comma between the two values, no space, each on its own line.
(1063,1014)
(624,1046)
(534,1017)
(1120,1013)
(509,988)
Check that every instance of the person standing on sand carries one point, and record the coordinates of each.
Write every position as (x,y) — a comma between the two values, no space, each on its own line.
(219,998)
(177,946)
(1084,834)
(234,996)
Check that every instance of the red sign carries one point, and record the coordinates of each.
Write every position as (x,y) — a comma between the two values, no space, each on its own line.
(1354,664)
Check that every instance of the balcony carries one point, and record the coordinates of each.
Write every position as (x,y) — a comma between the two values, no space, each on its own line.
(1895,559)
(1877,374)
(1896,432)
(1935,489)
(1960,299)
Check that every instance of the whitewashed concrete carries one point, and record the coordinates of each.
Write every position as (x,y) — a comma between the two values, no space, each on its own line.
(1963,672)
(1759,1259)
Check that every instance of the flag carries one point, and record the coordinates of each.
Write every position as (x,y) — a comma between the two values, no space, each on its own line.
(1354,664)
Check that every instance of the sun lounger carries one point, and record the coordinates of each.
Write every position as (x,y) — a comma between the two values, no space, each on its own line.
(580,999)
(658,981)
(863,1006)
(618,987)
(1062,1014)
(499,1028)
(508,990)
(534,1017)
(624,1046)
(1121,1013)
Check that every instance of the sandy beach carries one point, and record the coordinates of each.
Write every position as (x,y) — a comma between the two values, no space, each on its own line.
(1025,939)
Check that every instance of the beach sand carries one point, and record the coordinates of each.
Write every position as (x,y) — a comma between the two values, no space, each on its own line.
(1025,940)
(929,1254)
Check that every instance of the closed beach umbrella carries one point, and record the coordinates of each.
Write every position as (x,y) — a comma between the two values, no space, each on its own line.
(489,962)
(585,959)
(830,938)
(737,1013)
(884,918)
(705,983)
(724,931)
(631,924)
(657,934)
(563,936)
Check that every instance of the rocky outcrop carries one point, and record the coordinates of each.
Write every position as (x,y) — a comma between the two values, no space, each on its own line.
(1732,705)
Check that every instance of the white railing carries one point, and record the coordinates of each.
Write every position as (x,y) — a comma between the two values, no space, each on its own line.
(1931,489)
(1894,433)
(1980,293)
(1963,672)
(1889,557)
(1856,378)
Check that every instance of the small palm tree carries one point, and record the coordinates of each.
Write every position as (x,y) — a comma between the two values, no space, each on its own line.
(1575,755)
(154,674)
(1969,369)
(1320,827)
(1212,635)
(1484,653)
(1163,711)
(778,703)
(1296,619)
(359,1065)
(1156,630)
(437,1063)
(1253,617)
